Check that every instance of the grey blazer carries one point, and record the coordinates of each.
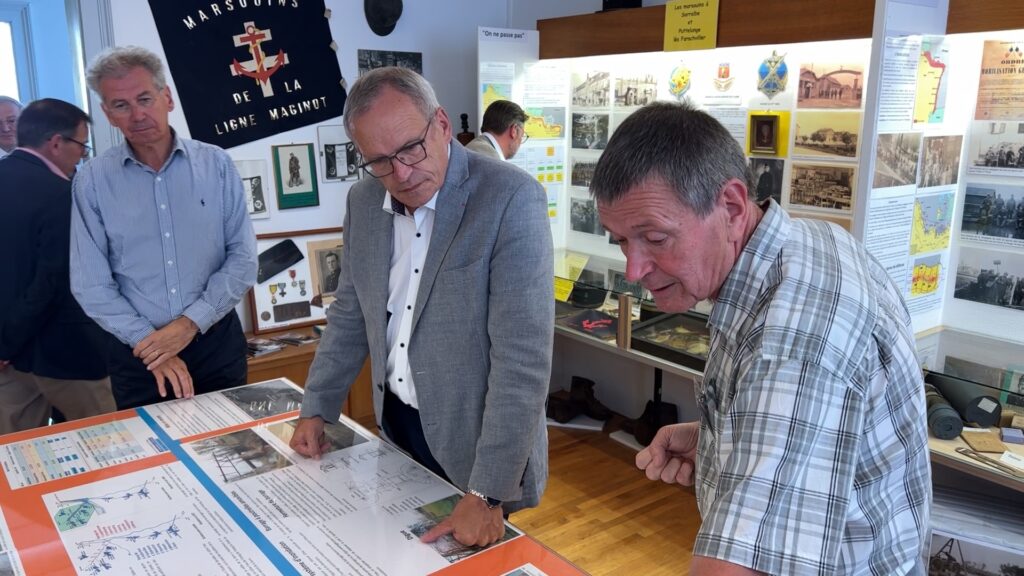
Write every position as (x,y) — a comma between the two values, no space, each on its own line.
(484,146)
(482,331)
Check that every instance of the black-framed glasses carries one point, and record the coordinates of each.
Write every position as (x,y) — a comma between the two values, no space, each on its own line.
(523,136)
(410,155)
(85,147)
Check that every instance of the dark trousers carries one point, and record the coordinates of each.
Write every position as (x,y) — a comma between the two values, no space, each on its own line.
(402,424)
(215,360)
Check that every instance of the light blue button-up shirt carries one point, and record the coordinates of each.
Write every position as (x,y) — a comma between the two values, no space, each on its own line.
(150,246)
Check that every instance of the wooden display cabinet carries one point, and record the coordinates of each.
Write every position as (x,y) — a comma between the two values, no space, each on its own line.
(293,363)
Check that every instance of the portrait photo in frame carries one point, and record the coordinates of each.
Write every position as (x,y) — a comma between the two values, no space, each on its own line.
(294,268)
(295,176)
(764,134)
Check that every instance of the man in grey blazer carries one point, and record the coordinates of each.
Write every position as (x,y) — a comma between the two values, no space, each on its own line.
(502,131)
(446,282)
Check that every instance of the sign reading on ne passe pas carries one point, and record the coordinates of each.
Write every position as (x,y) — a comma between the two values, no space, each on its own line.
(248,69)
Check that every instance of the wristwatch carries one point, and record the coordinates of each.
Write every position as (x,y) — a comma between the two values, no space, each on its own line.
(492,503)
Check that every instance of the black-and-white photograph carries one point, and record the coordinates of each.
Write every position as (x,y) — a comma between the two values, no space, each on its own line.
(238,455)
(265,399)
(325,266)
(583,217)
(582,172)
(828,85)
(997,148)
(339,436)
(635,90)
(990,277)
(373,59)
(940,161)
(591,89)
(832,134)
(896,159)
(254,185)
(949,556)
(590,131)
(767,178)
(995,211)
(341,161)
(820,186)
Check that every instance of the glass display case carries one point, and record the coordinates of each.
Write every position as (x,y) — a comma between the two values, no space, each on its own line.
(680,338)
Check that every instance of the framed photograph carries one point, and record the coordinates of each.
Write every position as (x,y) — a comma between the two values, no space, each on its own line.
(339,158)
(298,272)
(764,134)
(294,175)
(254,184)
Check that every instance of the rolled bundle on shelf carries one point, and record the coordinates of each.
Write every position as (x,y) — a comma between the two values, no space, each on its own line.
(943,420)
(972,401)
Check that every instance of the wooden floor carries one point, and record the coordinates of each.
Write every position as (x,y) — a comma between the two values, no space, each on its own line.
(605,516)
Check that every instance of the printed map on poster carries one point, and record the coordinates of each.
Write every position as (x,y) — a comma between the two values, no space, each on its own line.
(930,100)
(933,218)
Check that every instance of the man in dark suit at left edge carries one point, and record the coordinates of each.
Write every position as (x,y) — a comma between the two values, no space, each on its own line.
(51,353)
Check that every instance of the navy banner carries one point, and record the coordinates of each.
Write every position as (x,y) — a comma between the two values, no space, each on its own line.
(248,69)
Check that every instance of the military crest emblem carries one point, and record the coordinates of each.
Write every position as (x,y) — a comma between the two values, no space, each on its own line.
(772,75)
(724,80)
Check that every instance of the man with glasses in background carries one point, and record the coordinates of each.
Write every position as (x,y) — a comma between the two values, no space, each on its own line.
(502,131)
(446,282)
(9,110)
(162,247)
(50,351)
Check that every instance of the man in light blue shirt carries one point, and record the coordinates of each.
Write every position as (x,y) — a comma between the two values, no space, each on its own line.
(162,248)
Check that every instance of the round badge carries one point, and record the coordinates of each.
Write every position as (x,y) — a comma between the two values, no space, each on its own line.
(265,316)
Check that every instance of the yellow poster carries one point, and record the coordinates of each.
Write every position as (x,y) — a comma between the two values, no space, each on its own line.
(691,25)
(1001,87)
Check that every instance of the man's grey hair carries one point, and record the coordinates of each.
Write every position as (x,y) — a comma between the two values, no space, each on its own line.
(118,61)
(12,101)
(678,144)
(368,87)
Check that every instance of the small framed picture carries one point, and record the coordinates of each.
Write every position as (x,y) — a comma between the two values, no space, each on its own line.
(295,176)
(339,157)
(298,274)
(764,133)
(254,178)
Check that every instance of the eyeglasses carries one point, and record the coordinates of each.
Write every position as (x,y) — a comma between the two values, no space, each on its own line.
(410,155)
(124,108)
(85,147)
(523,136)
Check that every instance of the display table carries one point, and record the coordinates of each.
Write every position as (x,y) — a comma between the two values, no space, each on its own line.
(209,486)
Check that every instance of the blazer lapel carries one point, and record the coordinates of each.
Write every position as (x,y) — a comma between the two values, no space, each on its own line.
(379,262)
(451,205)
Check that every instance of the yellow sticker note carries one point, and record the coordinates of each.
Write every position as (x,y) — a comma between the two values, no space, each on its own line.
(691,25)
(563,288)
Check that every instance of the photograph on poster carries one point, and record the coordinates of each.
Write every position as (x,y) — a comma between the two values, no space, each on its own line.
(590,89)
(635,89)
(821,186)
(949,555)
(844,223)
(590,131)
(933,220)
(373,59)
(294,176)
(582,172)
(237,456)
(254,181)
(768,176)
(997,148)
(995,211)
(764,133)
(896,159)
(294,268)
(925,275)
(829,134)
(990,277)
(827,85)
(940,161)
(583,217)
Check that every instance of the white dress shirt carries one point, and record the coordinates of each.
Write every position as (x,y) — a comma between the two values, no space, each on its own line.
(497,147)
(412,239)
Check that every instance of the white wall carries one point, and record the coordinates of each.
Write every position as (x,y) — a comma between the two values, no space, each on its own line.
(523,14)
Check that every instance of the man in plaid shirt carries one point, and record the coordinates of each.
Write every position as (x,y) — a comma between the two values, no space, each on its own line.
(811,453)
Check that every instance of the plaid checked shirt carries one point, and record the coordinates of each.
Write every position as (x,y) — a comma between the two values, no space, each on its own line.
(813,452)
